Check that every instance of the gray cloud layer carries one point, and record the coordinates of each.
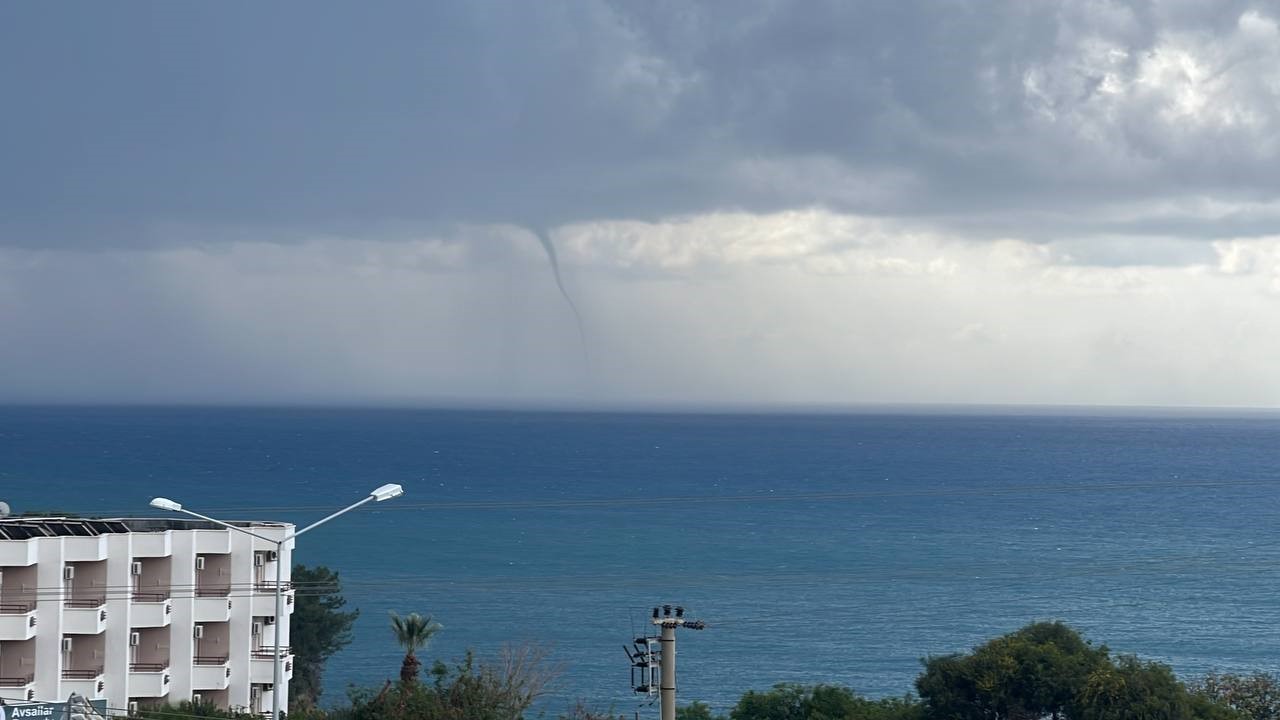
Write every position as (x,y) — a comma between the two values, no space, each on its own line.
(772,201)
(124,121)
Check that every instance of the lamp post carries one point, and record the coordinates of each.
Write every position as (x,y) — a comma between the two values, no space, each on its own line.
(385,492)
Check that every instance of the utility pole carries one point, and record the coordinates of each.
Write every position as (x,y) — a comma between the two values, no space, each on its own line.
(643,659)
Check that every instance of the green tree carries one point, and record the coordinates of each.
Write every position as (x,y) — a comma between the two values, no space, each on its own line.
(412,632)
(318,629)
(821,702)
(467,690)
(580,710)
(190,710)
(903,708)
(1256,697)
(1047,670)
(1131,689)
(695,711)
(783,702)
(1032,673)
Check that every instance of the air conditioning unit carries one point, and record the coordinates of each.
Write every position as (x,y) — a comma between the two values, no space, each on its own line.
(66,644)
(135,639)
(135,568)
(269,620)
(68,572)
(259,559)
(271,556)
(199,632)
(257,629)
(133,707)
(268,687)
(197,699)
(199,562)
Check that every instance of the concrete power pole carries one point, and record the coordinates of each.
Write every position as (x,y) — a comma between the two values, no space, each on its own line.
(667,657)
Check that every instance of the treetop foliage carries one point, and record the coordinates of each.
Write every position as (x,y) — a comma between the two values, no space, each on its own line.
(318,628)
(820,702)
(1256,696)
(1044,671)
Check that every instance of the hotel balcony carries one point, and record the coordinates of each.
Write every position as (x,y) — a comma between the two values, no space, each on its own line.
(85,681)
(17,554)
(264,599)
(210,672)
(149,680)
(262,665)
(214,608)
(84,549)
(84,617)
(212,542)
(260,699)
(151,544)
(17,621)
(151,610)
(18,688)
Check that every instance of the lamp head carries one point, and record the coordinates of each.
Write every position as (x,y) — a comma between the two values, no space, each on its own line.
(386,492)
(166,504)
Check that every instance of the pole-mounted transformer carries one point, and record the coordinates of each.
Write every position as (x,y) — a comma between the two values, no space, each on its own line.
(653,660)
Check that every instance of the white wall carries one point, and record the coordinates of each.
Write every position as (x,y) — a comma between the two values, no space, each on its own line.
(174,642)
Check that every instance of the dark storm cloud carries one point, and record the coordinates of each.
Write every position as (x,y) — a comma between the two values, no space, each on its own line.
(123,120)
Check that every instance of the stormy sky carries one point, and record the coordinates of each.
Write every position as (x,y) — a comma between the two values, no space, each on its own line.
(746,202)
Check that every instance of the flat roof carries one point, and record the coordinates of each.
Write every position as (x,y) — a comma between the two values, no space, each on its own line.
(25,528)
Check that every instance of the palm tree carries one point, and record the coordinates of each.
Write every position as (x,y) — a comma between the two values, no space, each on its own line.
(413,632)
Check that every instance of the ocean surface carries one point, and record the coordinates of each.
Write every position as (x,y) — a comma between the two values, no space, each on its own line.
(818,548)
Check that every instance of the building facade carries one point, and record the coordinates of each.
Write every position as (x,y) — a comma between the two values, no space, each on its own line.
(142,612)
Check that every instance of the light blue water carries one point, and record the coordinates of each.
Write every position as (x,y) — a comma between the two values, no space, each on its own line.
(818,548)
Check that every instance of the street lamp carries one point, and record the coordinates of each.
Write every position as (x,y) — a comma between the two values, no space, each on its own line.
(385,492)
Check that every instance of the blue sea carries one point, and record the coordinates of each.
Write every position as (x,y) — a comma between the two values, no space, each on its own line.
(833,548)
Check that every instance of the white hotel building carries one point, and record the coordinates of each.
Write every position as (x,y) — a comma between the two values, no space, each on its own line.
(144,611)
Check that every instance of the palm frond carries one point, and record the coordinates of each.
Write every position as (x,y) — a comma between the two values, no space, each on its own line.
(413,631)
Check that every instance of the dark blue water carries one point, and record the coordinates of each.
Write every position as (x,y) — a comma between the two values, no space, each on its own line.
(818,548)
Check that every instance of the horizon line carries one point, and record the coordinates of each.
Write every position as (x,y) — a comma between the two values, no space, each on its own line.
(562,406)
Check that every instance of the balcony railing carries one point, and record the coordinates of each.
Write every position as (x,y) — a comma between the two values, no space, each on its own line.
(16,681)
(213,592)
(268,652)
(81,674)
(16,608)
(150,596)
(211,660)
(148,667)
(85,602)
(270,587)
